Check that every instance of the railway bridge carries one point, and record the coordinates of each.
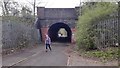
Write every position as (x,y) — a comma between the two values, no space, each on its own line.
(58,23)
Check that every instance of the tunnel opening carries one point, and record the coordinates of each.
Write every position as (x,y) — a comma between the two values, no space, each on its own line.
(60,32)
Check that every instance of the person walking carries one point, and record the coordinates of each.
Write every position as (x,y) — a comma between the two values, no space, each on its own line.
(48,43)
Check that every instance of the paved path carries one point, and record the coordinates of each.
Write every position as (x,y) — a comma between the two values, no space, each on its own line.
(38,57)
(57,57)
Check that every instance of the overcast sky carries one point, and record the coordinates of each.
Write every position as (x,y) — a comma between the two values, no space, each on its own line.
(53,3)
(49,3)
(60,3)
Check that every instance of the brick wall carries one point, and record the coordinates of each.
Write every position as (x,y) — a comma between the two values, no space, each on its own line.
(56,13)
(50,16)
(44,31)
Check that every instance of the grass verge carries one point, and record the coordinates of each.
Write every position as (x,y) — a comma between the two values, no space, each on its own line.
(109,54)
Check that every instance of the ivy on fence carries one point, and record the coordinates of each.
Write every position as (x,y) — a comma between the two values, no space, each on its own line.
(86,31)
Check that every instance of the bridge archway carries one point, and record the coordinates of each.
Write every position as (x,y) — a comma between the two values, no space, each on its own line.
(54,29)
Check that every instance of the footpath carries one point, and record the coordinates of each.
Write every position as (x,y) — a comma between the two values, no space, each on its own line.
(37,56)
(12,59)
(73,58)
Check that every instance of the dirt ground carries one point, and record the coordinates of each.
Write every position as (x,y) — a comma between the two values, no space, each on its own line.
(76,59)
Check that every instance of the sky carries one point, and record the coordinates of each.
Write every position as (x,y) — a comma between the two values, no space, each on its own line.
(49,3)
(59,3)
(53,3)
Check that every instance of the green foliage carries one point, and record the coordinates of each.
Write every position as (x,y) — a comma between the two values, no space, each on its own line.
(17,19)
(85,31)
(108,54)
(119,55)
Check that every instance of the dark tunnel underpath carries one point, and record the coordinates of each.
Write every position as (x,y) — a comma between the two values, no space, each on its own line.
(53,33)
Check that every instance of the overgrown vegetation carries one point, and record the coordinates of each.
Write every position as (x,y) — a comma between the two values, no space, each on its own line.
(86,33)
(14,11)
(109,54)
(18,19)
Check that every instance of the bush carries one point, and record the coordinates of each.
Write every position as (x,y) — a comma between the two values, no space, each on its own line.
(109,54)
(86,33)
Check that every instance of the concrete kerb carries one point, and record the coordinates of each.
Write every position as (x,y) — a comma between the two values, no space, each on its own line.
(68,58)
(68,61)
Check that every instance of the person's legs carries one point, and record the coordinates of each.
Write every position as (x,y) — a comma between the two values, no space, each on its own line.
(49,47)
(46,47)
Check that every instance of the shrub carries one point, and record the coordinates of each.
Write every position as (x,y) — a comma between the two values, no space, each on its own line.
(86,33)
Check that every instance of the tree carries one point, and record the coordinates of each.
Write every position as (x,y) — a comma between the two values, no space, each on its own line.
(26,12)
(10,8)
